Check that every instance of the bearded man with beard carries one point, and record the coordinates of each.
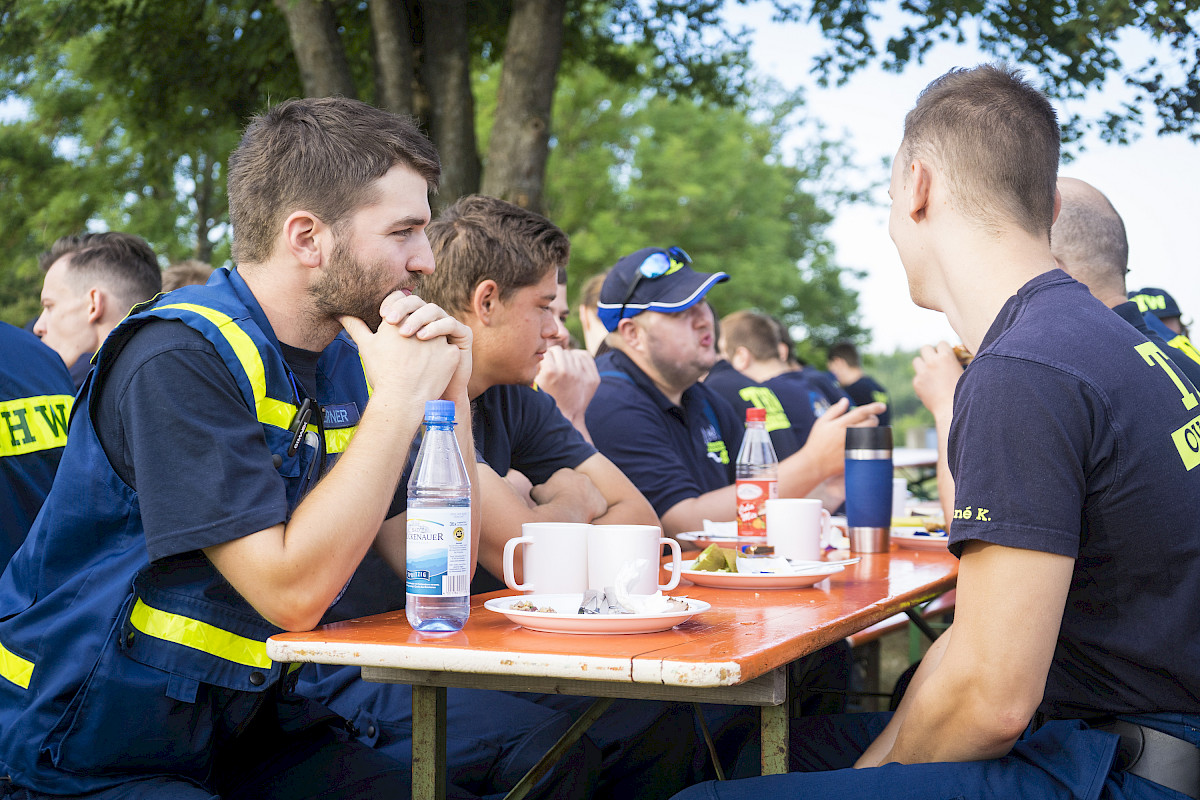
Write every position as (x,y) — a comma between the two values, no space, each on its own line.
(224,478)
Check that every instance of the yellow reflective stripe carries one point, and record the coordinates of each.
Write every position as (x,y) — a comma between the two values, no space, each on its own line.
(30,424)
(268,410)
(14,668)
(199,636)
(337,439)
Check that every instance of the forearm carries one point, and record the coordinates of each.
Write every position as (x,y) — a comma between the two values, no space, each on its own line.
(291,573)
(945,481)
(879,749)
(951,719)
(801,473)
(719,505)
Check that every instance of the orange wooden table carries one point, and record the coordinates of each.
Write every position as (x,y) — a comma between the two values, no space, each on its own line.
(735,653)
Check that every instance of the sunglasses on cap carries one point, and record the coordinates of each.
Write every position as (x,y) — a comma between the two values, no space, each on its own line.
(655,266)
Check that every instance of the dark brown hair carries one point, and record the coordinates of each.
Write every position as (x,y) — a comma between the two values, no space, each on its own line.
(996,139)
(322,155)
(123,263)
(480,238)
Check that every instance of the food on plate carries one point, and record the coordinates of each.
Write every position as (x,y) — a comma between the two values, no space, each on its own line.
(525,605)
(715,558)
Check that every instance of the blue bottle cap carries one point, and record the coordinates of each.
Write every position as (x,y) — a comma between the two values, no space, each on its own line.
(439,411)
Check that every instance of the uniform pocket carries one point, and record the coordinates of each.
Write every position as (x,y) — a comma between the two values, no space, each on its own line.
(128,717)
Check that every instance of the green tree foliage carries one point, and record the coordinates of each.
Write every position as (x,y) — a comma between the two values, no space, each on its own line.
(631,169)
(1074,47)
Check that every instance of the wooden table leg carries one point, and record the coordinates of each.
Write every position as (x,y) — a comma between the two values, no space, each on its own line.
(429,742)
(775,739)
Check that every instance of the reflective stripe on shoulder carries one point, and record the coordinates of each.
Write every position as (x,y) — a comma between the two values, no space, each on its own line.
(199,635)
(269,410)
(14,668)
(30,424)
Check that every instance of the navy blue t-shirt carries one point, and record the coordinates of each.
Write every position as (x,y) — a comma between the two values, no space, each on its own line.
(198,458)
(1072,434)
(518,427)
(867,390)
(788,424)
(671,453)
(1188,365)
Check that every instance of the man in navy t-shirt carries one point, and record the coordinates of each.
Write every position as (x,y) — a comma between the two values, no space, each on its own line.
(497,266)
(749,346)
(1072,665)
(674,437)
(844,363)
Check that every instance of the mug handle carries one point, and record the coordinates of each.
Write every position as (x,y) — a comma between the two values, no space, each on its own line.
(826,529)
(510,579)
(676,562)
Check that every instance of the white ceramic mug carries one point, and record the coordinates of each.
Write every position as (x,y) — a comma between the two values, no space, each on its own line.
(798,527)
(611,547)
(554,559)
(899,498)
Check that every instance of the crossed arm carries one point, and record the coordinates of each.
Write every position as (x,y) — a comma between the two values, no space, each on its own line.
(982,680)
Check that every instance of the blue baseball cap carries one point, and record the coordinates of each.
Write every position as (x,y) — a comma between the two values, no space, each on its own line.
(1156,301)
(653,279)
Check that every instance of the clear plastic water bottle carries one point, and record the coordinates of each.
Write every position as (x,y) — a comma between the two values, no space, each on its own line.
(438,558)
(757,475)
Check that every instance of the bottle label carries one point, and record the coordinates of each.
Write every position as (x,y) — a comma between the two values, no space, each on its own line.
(438,558)
(752,497)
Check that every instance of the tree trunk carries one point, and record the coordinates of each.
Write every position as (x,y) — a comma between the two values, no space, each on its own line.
(312,26)
(392,37)
(202,176)
(447,78)
(520,139)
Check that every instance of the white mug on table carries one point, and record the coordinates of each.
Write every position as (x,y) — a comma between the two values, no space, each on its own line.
(611,547)
(797,527)
(899,497)
(554,558)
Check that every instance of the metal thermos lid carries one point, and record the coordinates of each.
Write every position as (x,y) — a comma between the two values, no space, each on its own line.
(877,438)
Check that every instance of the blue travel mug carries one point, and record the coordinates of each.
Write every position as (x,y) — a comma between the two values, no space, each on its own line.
(869,488)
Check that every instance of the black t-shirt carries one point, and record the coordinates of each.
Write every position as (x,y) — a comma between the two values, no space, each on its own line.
(867,390)
(787,434)
(175,427)
(518,427)
(1072,435)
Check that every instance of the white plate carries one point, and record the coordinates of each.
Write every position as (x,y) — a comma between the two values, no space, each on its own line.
(919,539)
(735,580)
(566,620)
(704,540)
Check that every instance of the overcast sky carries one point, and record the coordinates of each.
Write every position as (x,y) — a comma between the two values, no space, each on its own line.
(1151,182)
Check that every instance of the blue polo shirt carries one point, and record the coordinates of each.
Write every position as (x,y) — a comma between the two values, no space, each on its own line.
(788,423)
(518,427)
(1073,434)
(671,453)
(1182,359)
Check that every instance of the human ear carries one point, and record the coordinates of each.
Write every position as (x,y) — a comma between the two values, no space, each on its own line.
(304,237)
(485,300)
(919,186)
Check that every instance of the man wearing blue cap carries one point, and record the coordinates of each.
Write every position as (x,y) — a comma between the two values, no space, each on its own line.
(1163,316)
(674,437)
(677,439)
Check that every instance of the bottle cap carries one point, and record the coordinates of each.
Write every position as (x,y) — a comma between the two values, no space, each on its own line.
(756,415)
(439,411)
(877,438)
